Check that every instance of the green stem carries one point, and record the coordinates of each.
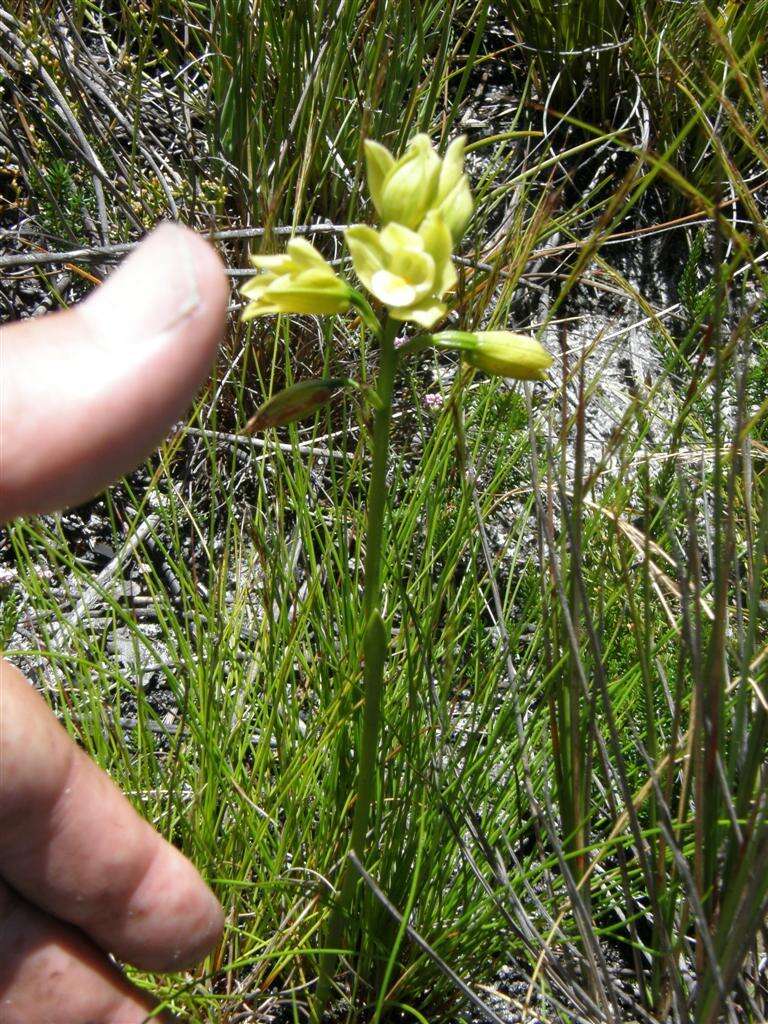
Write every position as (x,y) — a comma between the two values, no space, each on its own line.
(374,653)
(377,488)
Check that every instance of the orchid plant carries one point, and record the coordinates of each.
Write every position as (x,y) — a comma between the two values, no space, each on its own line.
(424,204)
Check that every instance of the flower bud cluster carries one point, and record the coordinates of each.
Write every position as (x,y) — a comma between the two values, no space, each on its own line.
(406,190)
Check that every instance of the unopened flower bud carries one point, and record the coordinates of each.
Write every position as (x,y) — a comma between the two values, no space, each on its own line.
(454,199)
(403,190)
(294,403)
(502,353)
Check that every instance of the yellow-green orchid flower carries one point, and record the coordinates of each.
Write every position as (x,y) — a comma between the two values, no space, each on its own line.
(407,271)
(296,281)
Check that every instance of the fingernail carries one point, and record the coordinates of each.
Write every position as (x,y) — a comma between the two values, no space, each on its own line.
(152,291)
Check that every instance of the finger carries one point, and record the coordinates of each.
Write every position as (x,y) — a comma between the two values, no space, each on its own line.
(72,844)
(85,394)
(51,973)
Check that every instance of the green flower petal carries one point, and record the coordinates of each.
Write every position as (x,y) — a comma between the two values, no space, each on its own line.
(367,252)
(378,163)
(259,307)
(456,209)
(256,287)
(436,238)
(425,313)
(278,264)
(452,168)
(395,238)
(446,278)
(304,255)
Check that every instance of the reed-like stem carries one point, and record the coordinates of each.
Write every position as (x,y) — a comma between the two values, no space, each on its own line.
(374,654)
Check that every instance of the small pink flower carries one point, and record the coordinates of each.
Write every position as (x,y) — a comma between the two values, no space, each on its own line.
(433,403)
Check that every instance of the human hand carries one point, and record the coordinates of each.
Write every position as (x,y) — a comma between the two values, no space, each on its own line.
(84,396)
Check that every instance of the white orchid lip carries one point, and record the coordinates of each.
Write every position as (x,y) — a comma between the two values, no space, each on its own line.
(391,289)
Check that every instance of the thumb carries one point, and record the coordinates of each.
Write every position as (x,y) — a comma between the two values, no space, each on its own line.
(85,394)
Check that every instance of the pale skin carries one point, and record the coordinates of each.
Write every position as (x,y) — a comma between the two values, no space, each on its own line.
(84,395)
